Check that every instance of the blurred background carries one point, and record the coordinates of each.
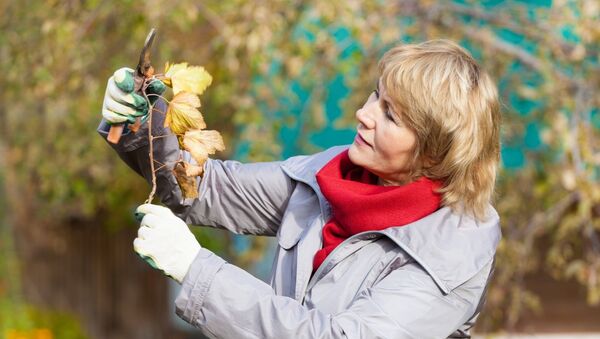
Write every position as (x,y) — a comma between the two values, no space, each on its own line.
(288,77)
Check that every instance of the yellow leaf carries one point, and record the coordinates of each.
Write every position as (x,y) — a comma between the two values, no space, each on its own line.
(202,143)
(183,114)
(181,77)
(173,68)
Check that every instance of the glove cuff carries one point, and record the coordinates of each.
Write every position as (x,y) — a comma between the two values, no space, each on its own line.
(185,261)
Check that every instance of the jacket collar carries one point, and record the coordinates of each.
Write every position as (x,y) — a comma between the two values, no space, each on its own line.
(304,168)
(451,247)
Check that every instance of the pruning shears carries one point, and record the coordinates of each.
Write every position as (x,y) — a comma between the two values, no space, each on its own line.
(143,70)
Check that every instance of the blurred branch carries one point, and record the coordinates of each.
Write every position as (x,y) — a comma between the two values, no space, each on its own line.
(541,32)
(213,19)
(581,105)
(446,15)
(519,53)
(537,223)
(489,39)
(551,214)
(89,20)
(592,235)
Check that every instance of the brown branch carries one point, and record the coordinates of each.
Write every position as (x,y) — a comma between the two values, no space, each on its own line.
(168,163)
(158,162)
(150,146)
(160,167)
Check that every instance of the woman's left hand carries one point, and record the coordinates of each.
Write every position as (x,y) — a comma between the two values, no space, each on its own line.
(165,241)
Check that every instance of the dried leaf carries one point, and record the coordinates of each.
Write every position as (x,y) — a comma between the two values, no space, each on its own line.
(202,143)
(171,69)
(183,114)
(193,170)
(181,77)
(188,185)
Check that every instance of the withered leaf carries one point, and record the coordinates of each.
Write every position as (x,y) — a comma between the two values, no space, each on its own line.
(184,78)
(183,114)
(202,143)
(193,170)
(188,185)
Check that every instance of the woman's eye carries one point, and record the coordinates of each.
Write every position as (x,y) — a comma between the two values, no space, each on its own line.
(388,114)
(386,110)
(374,96)
(384,107)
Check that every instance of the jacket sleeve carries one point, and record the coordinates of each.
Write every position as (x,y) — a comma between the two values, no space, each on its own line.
(224,301)
(243,198)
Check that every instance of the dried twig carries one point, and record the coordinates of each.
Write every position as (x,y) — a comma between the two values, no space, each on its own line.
(150,146)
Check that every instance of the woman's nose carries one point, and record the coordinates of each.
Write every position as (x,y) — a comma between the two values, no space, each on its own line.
(363,116)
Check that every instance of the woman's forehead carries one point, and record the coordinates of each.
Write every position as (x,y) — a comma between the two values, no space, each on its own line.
(381,87)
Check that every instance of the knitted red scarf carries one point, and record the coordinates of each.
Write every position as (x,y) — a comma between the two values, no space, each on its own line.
(358,204)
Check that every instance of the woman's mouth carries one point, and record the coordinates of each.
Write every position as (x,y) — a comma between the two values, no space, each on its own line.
(359,140)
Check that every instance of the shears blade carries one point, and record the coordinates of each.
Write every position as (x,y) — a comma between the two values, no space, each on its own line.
(144,63)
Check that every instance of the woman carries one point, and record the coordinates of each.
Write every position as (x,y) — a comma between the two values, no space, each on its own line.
(391,237)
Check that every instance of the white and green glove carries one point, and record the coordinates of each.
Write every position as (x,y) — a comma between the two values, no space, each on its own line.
(121,104)
(165,241)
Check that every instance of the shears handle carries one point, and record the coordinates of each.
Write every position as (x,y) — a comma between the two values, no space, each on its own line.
(144,69)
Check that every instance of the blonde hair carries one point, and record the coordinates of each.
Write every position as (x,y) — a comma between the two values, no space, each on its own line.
(451,104)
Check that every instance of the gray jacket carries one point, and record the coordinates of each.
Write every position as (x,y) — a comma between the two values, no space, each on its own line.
(423,280)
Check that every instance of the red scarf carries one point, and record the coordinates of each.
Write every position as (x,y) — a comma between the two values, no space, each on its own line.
(358,204)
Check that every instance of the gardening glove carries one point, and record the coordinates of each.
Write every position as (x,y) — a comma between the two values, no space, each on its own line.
(121,103)
(165,241)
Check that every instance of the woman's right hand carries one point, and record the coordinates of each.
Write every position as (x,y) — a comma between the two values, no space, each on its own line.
(121,104)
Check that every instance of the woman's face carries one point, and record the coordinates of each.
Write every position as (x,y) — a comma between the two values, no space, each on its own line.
(383,144)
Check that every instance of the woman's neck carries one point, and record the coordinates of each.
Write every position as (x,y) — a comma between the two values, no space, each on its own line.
(387,182)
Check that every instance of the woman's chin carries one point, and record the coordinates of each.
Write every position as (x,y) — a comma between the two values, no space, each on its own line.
(354,155)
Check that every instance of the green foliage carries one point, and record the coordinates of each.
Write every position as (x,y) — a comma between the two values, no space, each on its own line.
(20,321)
